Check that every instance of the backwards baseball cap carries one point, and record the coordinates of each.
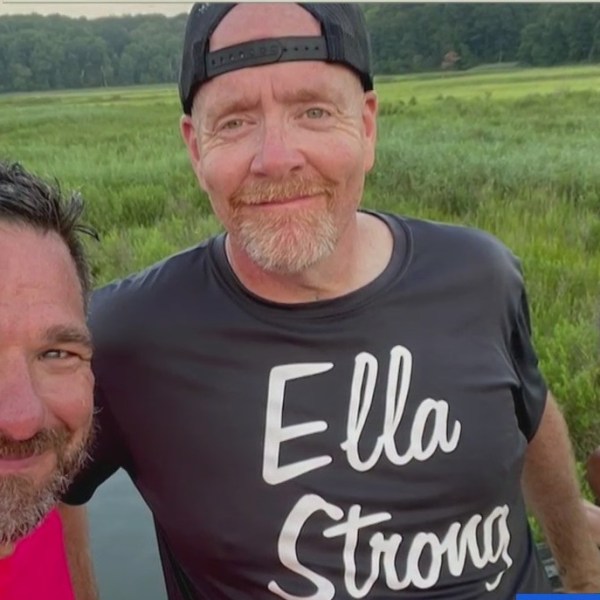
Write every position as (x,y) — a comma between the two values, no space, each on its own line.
(344,40)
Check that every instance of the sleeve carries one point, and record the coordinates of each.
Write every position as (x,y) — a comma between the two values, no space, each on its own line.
(530,396)
(110,314)
(106,455)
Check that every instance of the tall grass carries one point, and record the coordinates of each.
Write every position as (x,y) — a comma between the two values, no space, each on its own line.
(515,153)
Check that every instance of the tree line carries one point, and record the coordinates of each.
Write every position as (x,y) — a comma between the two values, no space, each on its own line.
(422,37)
(57,52)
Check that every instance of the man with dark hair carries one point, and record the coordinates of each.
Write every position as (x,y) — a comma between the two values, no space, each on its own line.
(326,402)
(28,200)
(45,379)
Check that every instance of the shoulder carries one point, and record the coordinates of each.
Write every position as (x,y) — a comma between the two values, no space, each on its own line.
(126,305)
(463,249)
(460,238)
(461,260)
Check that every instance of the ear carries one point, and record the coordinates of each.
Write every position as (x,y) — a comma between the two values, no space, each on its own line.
(369,119)
(189,134)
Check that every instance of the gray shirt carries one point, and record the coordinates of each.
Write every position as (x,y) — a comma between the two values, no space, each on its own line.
(369,446)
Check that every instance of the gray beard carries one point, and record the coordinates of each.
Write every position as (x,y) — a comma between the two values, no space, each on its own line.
(24,504)
(288,245)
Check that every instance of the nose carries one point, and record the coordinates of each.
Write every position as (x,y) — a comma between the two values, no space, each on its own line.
(277,154)
(21,408)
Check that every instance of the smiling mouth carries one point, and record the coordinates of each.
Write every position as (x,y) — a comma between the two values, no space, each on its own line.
(289,201)
(284,201)
(14,464)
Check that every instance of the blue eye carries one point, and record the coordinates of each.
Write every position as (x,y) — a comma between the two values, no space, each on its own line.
(232,124)
(316,113)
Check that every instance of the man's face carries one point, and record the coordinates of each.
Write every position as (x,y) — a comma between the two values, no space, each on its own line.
(46,383)
(282,149)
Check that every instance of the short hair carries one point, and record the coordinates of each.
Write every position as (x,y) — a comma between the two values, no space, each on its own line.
(28,200)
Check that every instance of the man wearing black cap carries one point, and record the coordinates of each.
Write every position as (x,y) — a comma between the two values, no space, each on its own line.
(326,402)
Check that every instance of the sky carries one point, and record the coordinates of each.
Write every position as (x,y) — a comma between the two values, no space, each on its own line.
(89,9)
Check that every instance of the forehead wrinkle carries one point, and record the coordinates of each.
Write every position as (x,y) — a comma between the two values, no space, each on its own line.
(215,97)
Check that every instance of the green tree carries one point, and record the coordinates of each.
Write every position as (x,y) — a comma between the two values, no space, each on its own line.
(59,52)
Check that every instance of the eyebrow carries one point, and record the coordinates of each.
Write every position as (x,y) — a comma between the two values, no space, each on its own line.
(227,107)
(302,95)
(68,334)
(311,95)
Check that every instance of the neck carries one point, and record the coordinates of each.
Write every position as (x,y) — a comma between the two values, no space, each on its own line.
(6,550)
(362,253)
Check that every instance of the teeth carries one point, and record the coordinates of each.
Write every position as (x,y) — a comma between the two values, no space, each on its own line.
(17,455)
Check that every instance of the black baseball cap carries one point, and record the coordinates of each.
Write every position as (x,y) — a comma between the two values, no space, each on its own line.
(344,40)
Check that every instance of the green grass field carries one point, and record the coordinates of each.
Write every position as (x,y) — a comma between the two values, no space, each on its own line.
(514,152)
(496,84)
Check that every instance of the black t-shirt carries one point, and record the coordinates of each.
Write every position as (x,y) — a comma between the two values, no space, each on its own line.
(369,446)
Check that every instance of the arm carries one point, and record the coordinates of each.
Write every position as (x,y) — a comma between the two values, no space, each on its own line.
(79,557)
(552,492)
(593,517)
(593,472)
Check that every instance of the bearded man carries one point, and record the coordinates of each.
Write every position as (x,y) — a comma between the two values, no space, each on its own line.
(46,382)
(325,402)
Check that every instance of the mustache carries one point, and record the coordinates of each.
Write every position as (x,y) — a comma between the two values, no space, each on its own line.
(271,191)
(42,441)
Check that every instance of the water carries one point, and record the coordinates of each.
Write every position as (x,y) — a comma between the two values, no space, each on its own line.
(124,544)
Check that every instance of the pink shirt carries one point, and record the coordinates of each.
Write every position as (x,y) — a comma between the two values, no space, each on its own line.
(37,569)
